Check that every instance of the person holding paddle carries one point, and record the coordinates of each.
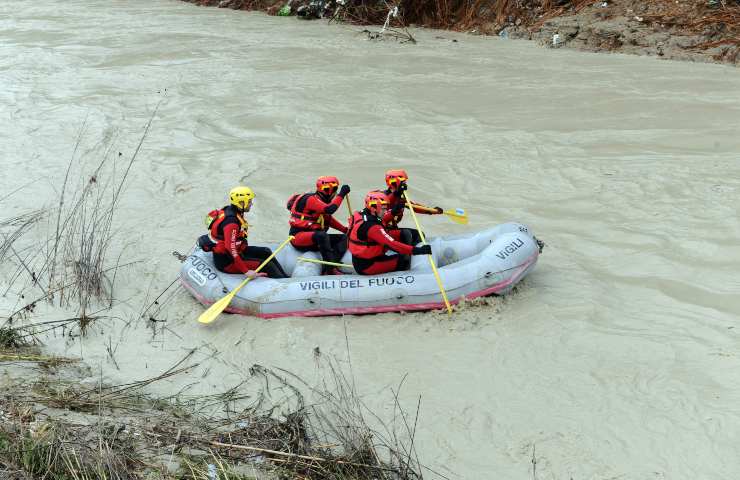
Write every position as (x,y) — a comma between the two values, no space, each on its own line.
(396,180)
(227,239)
(311,217)
(369,241)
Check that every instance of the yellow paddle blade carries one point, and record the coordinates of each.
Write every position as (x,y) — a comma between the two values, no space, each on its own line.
(215,310)
(458,216)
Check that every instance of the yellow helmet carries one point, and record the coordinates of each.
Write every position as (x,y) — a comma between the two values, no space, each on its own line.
(241,197)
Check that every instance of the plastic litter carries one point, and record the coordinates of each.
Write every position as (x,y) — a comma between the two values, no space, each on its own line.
(285,10)
(392,13)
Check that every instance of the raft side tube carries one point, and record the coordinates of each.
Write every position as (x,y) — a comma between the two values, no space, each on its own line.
(491,261)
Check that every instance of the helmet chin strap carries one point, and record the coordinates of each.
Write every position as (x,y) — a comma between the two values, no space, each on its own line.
(324,196)
(378,214)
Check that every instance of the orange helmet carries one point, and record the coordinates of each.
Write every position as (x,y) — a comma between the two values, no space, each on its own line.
(327,185)
(376,202)
(395,177)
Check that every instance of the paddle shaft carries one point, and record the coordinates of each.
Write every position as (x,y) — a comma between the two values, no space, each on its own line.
(215,310)
(431,260)
(324,262)
(267,260)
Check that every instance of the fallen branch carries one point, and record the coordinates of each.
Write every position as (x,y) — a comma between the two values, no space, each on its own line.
(295,455)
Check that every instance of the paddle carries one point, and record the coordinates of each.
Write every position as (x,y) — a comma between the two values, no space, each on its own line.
(349,207)
(324,262)
(431,260)
(215,310)
(457,215)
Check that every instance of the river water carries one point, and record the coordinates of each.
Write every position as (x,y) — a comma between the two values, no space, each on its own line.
(618,357)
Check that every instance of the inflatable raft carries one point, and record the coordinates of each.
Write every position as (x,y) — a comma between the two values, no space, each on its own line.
(470,265)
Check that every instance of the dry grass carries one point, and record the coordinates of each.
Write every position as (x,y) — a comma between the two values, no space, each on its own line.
(75,266)
(55,428)
(11,338)
(79,256)
(720,24)
(63,451)
(446,14)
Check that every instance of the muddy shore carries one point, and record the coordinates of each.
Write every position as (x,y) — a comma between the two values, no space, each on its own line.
(60,419)
(697,31)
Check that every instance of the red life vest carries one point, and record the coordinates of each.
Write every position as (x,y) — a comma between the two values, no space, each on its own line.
(223,217)
(300,218)
(360,245)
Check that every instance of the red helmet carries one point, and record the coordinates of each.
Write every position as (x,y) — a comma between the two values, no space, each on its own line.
(376,202)
(327,185)
(393,178)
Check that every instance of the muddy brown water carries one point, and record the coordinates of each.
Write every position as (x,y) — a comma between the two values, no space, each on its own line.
(618,357)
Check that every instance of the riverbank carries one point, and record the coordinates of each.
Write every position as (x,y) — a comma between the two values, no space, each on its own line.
(60,419)
(697,30)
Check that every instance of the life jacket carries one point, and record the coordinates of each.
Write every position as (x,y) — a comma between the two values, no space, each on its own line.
(360,245)
(219,219)
(205,242)
(299,217)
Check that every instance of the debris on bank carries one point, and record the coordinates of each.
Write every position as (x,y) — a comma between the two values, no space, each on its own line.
(693,30)
(59,420)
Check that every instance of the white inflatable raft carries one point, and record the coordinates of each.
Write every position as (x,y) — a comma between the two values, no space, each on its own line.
(470,265)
